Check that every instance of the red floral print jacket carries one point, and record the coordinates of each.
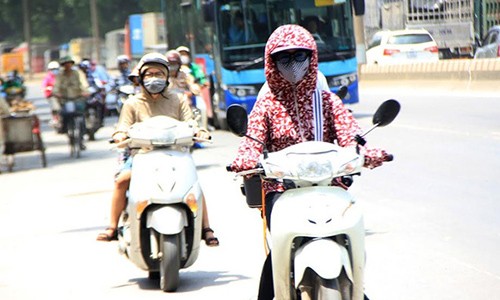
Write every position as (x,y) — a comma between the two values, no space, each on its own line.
(284,115)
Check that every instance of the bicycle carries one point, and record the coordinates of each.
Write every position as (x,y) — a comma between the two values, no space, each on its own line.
(72,112)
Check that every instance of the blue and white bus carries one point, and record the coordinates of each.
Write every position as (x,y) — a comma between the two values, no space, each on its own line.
(238,55)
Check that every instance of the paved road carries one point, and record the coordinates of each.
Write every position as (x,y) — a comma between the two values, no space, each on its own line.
(431,215)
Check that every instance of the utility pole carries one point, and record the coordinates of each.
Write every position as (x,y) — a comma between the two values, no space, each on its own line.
(359,30)
(95,30)
(359,34)
(27,35)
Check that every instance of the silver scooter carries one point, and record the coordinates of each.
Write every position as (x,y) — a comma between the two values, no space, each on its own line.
(317,234)
(161,228)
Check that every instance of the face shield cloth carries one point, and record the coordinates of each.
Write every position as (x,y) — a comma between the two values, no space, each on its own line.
(155,85)
(293,71)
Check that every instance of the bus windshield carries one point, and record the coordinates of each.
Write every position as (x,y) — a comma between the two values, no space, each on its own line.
(245,25)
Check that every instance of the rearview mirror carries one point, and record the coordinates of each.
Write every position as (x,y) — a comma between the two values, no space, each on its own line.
(237,119)
(386,113)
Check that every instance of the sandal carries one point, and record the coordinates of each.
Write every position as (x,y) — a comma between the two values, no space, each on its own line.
(212,241)
(110,234)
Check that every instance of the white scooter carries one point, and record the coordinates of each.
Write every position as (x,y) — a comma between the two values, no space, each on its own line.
(161,228)
(317,234)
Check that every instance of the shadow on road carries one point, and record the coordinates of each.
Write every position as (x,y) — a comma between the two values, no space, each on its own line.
(190,280)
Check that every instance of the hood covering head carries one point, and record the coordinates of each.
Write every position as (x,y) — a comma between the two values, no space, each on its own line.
(288,37)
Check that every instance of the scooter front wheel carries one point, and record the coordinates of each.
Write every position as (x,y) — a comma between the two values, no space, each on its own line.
(316,288)
(169,262)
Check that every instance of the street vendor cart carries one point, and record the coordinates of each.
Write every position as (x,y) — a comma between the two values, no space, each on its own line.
(22,133)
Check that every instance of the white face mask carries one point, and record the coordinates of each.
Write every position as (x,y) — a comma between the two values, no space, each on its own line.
(185,59)
(174,68)
(293,71)
(155,85)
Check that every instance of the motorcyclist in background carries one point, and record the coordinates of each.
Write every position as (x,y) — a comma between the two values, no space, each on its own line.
(97,71)
(123,63)
(69,85)
(181,82)
(194,69)
(48,85)
(13,86)
(200,78)
(98,82)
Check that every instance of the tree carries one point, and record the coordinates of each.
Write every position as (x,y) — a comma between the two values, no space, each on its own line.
(58,21)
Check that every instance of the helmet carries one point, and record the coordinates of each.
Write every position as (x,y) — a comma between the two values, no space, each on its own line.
(53,65)
(134,73)
(121,59)
(173,57)
(153,58)
(84,64)
(66,59)
(183,48)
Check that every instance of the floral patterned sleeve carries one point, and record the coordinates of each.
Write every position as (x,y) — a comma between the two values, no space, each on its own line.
(249,150)
(347,127)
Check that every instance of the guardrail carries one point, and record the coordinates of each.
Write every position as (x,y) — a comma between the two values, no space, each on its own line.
(452,69)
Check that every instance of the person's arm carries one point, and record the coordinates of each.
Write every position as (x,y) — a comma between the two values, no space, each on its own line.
(347,127)
(185,112)
(249,150)
(83,83)
(193,87)
(126,119)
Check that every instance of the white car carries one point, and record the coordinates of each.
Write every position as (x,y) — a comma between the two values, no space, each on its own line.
(402,47)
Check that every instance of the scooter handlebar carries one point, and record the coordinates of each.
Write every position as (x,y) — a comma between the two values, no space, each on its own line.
(389,157)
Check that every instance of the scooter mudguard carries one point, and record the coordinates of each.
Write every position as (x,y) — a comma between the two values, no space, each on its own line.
(167,220)
(325,257)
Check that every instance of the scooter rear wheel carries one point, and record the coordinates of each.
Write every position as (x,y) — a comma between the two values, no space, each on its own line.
(169,262)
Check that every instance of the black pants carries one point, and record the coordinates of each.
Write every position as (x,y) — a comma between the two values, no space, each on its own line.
(266,286)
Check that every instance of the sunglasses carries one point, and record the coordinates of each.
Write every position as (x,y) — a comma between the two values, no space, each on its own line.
(287,57)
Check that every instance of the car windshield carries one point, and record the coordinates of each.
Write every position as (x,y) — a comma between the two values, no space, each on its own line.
(409,39)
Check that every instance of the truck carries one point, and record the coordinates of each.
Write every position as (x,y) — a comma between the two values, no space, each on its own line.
(456,25)
(450,22)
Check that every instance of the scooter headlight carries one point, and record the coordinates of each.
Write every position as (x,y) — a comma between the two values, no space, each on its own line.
(313,168)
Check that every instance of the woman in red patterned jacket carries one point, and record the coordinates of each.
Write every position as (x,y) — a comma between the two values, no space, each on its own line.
(294,111)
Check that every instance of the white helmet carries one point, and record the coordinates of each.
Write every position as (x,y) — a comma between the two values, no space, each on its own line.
(153,57)
(120,59)
(53,65)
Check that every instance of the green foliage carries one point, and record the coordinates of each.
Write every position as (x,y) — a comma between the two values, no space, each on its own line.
(58,21)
